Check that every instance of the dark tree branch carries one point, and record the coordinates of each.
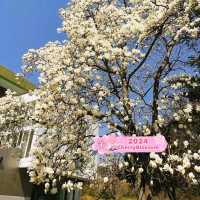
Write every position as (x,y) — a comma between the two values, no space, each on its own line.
(146,56)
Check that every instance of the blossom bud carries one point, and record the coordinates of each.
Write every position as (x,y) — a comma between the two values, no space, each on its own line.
(105,180)
(140,170)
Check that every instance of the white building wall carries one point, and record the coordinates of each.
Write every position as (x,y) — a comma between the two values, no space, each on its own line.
(4,197)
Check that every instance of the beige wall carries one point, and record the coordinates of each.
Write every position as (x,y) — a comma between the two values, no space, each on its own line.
(2,197)
(13,181)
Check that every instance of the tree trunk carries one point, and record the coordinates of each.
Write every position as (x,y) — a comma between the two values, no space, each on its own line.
(161,196)
(145,193)
(172,193)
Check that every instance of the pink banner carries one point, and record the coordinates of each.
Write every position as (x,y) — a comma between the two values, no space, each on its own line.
(122,144)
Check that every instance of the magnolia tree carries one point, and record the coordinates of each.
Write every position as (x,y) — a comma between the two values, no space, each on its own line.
(62,158)
(125,64)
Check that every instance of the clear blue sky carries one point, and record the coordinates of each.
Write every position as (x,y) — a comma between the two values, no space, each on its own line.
(26,24)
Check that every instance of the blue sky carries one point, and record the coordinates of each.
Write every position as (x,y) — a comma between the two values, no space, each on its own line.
(27,24)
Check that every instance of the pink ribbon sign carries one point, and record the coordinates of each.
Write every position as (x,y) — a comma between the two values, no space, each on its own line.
(122,144)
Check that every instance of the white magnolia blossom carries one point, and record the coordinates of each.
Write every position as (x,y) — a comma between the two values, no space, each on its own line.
(121,165)
(140,170)
(186,143)
(105,179)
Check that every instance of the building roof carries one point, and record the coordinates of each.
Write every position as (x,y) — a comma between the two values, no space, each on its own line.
(9,80)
